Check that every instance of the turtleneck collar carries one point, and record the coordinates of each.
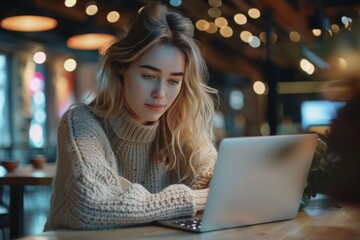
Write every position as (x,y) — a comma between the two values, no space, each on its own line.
(127,128)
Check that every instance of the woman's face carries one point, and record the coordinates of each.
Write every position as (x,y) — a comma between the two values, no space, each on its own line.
(153,82)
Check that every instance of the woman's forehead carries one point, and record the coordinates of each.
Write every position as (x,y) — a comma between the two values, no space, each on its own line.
(164,57)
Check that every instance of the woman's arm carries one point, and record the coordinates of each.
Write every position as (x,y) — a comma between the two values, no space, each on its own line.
(205,169)
(201,182)
(89,194)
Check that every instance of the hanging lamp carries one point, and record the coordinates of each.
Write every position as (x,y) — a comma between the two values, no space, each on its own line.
(27,18)
(90,37)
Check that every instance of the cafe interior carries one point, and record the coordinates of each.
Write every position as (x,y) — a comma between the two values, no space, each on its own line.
(280,66)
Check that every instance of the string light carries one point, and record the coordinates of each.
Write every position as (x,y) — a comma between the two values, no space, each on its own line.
(212,28)
(240,19)
(91,9)
(70,3)
(294,36)
(221,22)
(215,3)
(70,65)
(39,57)
(254,13)
(226,31)
(214,12)
(245,36)
(113,16)
(202,25)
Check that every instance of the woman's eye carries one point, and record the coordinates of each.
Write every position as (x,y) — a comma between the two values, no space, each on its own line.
(149,76)
(174,82)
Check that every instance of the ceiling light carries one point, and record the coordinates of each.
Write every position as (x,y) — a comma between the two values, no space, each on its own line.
(90,41)
(91,37)
(27,19)
(28,23)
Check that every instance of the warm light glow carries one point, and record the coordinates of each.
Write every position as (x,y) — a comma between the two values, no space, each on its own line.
(265,129)
(90,41)
(262,37)
(346,21)
(91,9)
(236,99)
(214,12)
(113,16)
(335,28)
(202,25)
(29,23)
(299,87)
(70,3)
(254,13)
(36,135)
(316,32)
(226,31)
(70,65)
(307,66)
(39,57)
(254,42)
(342,63)
(212,28)
(294,36)
(215,3)
(175,3)
(245,36)
(273,36)
(240,19)
(221,22)
(259,87)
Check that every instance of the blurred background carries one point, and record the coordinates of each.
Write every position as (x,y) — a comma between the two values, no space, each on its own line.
(281,66)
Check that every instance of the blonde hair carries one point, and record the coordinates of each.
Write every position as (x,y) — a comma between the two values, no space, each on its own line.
(186,127)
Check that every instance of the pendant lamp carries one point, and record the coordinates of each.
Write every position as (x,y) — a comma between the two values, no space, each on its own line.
(27,18)
(91,37)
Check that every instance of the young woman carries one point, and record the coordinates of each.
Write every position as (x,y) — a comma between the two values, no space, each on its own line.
(143,149)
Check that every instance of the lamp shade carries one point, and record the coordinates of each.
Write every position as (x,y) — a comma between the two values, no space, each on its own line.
(26,17)
(28,23)
(90,41)
(91,37)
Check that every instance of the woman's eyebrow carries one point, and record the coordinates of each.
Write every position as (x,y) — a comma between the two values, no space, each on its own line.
(158,70)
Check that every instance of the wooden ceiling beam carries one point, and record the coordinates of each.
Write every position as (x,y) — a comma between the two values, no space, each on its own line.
(286,17)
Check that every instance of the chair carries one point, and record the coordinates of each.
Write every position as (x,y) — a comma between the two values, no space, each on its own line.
(4,222)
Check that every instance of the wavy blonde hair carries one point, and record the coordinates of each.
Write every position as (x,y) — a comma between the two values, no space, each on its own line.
(186,127)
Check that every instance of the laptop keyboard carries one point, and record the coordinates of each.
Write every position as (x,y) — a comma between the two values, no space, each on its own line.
(193,223)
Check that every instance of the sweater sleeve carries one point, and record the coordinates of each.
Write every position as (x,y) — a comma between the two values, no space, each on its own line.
(89,194)
(205,170)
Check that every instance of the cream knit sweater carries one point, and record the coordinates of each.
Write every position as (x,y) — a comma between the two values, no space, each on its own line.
(106,176)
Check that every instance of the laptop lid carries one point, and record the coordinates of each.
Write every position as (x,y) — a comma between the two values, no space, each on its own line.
(258,180)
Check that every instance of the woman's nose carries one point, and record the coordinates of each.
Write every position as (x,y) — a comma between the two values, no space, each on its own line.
(159,90)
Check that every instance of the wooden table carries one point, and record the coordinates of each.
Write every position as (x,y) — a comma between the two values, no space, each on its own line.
(321,219)
(23,176)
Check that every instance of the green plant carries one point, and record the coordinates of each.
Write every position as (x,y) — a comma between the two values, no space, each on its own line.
(324,164)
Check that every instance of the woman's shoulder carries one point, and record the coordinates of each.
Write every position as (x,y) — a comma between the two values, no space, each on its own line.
(80,117)
(79,112)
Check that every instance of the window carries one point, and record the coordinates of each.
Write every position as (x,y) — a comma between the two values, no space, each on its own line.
(5,136)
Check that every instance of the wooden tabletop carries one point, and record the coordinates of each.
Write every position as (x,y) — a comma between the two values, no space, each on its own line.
(321,219)
(28,175)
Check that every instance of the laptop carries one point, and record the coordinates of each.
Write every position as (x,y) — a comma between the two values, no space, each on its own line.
(255,180)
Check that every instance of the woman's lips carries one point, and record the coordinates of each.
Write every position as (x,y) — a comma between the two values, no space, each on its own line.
(155,106)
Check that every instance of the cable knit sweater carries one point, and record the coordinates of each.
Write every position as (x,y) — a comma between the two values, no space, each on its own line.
(107,177)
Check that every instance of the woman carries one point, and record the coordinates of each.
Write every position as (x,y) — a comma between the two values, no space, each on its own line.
(143,149)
